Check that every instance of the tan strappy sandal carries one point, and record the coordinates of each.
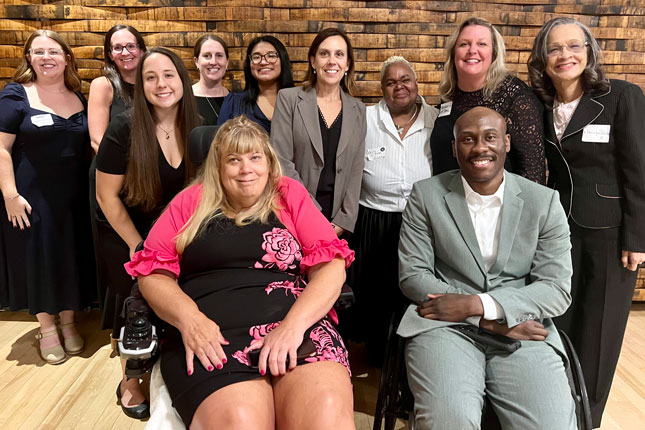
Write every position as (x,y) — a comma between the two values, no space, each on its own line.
(73,345)
(54,354)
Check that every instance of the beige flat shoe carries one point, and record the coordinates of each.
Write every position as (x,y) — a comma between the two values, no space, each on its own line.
(73,345)
(54,354)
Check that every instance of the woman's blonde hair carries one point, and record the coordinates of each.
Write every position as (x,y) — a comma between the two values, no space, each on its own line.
(497,71)
(25,72)
(239,135)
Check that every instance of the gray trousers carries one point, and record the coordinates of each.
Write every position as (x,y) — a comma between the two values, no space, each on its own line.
(449,374)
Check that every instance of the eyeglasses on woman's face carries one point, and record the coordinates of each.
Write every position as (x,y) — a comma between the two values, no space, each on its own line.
(130,47)
(576,46)
(270,57)
(40,52)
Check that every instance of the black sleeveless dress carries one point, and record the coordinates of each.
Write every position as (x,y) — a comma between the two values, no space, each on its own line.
(246,280)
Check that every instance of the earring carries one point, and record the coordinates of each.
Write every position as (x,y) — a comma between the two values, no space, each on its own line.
(345,73)
(314,71)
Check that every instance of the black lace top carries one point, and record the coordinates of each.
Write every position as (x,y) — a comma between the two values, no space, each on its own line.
(523,112)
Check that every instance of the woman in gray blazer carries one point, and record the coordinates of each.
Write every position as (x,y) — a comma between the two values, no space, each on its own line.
(318,130)
(593,129)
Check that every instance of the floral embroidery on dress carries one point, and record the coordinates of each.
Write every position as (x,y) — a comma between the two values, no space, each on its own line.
(282,250)
(257,332)
(321,336)
(292,287)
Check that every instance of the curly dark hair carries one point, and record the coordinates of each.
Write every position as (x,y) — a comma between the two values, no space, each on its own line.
(593,77)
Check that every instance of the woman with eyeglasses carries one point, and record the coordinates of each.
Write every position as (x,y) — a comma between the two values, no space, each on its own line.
(46,263)
(142,163)
(593,128)
(319,130)
(267,69)
(110,96)
(211,59)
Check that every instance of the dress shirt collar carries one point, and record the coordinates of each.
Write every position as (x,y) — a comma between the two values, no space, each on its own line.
(425,119)
(476,201)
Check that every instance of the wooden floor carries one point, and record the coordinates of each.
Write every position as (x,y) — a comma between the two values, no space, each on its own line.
(80,393)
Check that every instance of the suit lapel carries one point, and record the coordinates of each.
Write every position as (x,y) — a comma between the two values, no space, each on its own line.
(458,208)
(587,111)
(308,108)
(549,129)
(509,223)
(350,119)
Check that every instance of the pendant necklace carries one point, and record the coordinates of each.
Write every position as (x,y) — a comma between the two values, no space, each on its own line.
(209,102)
(400,129)
(167,132)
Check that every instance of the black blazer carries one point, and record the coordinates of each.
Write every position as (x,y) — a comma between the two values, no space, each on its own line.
(602,185)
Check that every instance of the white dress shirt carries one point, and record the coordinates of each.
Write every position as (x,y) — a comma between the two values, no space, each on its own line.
(392,165)
(485,213)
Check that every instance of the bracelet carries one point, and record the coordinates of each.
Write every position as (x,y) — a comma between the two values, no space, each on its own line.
(12,197)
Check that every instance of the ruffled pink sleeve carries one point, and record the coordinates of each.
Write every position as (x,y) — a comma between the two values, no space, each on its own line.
(159,252)
(310,227)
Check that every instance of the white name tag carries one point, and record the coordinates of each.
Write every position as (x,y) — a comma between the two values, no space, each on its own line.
(375,153)
(598,133)
(445,109)
(42,120)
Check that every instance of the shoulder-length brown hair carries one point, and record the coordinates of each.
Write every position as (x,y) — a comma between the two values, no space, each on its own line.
(239,135)
(497,71)
(25,73)
(593,77)
(142,184)
(347,83)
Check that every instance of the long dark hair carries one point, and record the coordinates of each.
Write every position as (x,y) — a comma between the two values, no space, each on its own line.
(347,83)
(593,77)
(110,70)
(142,185)
(251,84)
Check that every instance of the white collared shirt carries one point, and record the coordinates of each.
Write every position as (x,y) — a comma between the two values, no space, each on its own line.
(392,165)
(485,213)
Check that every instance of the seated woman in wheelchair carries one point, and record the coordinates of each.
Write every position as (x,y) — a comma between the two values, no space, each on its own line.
(241,261)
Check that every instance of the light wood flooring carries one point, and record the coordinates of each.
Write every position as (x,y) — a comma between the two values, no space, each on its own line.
(80,393)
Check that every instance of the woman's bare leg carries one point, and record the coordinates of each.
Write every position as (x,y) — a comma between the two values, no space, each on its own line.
(314,396)
(243,405)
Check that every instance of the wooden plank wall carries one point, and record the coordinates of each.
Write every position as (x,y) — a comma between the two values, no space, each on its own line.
(378,29)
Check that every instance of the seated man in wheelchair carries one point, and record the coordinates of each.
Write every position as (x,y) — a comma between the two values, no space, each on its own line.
(482,247)
(244,270)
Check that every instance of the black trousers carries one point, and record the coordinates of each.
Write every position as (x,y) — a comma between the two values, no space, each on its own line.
(602,293)
(374,277)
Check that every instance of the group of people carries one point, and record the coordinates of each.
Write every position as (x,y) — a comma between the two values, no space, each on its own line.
(248,252)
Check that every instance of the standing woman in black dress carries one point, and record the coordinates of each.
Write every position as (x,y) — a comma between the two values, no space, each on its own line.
(593,129)
(45,259)
(111,95)
(141,165)
(211,59)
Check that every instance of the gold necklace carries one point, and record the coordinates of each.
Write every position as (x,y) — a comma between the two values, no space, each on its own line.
(209,102)
(167,132)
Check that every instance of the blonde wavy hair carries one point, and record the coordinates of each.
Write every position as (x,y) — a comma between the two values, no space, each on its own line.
(239,135)
(497,71)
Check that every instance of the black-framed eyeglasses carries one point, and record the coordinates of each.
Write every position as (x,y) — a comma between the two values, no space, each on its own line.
(576,46)
(130,47)
(271,57)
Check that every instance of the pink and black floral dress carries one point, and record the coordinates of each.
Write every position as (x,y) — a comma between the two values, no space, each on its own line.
(245,279)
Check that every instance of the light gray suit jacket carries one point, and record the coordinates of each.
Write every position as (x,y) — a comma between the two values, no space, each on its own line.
(296,137)
(439,253)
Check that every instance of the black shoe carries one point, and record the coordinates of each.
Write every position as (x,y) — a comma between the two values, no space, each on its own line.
(138,412)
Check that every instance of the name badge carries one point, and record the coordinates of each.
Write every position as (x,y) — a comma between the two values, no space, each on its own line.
(445,109)
(598,133)
(42,120)
(375,153)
